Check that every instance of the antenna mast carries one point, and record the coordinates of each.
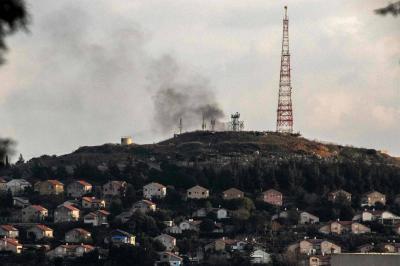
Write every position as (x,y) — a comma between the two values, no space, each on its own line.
(284,123)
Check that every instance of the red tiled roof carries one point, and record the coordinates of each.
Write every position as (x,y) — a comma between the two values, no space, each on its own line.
(70,207)
(12,241)
(55,182)
(148,202)
(7,227)
(81,231)
(43,227)
(84,183)
(76,246)
(91,199)
(38,208)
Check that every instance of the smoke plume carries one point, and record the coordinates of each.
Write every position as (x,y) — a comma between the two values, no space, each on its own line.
(181,95)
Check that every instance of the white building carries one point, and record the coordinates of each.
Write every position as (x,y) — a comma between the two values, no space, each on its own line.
(17,186)
(260,256)
(168,241)
(154,190)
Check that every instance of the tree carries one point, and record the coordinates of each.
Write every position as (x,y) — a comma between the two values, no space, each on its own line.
(207,225)
(21,159)
(13,17)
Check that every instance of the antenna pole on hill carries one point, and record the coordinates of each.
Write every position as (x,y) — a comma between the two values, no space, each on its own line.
(284,123)
(180,125)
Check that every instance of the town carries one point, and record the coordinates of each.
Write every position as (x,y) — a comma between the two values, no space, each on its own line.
(223,193)
(137,210)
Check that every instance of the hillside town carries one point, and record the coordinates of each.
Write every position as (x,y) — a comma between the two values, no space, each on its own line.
(75,220)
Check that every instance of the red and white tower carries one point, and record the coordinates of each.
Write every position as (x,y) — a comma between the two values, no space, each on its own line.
(284,122)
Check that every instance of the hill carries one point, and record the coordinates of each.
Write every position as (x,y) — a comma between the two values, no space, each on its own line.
(209,146)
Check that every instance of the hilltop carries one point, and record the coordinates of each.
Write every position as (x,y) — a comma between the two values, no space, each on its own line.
(206,146)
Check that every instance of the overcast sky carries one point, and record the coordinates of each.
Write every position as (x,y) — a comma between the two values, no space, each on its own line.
(90,71)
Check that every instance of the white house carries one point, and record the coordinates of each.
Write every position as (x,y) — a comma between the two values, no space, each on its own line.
(17,186)
(260,256)
(190,225)
(221,213)
(168,241)
(308,218)
(197,192)
(7,230)
(154,190)
(170,258)
(10,244)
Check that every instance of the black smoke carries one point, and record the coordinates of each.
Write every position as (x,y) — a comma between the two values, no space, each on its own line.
(181,94)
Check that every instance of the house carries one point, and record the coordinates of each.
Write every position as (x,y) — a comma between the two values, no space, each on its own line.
(307,218)
(78,189)
(310,246)
(39,231)
(328,247)
(175,230)
(17,186)
(168,241)
(197,192)
(384,217)
(372,198)
(93,203)
(118,237)
(78,235)
(190,225)
(273,197)
(341,227)
(3,184)
(259,256)
(200,213)
(49,187)
(221,213)
(9,231)
(115,188)
(319,260)
(169,258)
(357,228)
(10,244)
(336,227)
(20,202)
(34,213)
(154,190)
(226,244)
(391,247)
(366,248)
(70,250)
(97,218)
(232,193)
(339,195)
(66,213)
(124,217)
(396,229)
(318,246)
(144,206)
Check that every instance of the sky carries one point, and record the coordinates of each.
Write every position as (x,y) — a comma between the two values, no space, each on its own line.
(87,74)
